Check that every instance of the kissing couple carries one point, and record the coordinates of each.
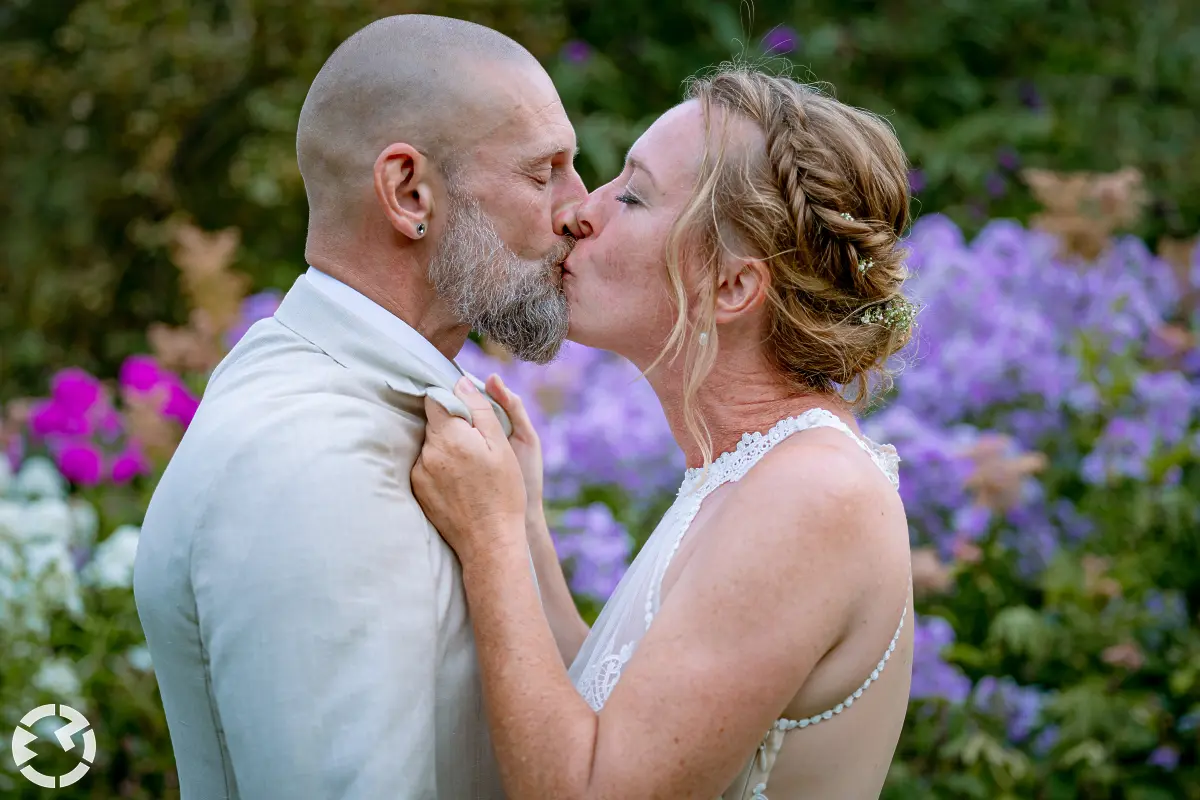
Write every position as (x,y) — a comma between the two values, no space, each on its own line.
(345,575)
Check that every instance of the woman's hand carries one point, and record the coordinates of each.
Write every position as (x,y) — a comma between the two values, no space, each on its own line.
(468,479)
(525,444)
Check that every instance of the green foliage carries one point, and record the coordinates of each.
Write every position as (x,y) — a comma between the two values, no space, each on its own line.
(116,117)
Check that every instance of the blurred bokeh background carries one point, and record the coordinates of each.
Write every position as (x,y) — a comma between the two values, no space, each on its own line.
(1048,413)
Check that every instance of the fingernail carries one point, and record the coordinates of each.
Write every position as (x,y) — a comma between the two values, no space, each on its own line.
(467,385)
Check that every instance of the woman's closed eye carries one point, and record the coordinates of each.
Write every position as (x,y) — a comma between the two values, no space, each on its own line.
(628,198)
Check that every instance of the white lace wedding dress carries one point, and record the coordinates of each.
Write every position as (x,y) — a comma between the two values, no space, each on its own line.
(628,614)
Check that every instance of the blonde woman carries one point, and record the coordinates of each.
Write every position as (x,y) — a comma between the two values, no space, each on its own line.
(748,260)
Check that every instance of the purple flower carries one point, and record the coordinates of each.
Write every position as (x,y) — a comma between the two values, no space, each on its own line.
(1168,401)
(995,184)
(781,39)
(1030,96)
(576,52)
(971,521)
(931,676)
(1019,706)
(1121,452)
(253,308)
(1188,722)
(1044,742)
(1008,159)
(916,180)
(80,462)
(614,432)
(598,547)
(1167,609)
(1165,756)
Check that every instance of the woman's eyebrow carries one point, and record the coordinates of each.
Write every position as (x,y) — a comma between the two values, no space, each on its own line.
(633,163)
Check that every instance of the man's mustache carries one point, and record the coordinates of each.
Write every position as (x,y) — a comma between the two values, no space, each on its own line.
(558,254)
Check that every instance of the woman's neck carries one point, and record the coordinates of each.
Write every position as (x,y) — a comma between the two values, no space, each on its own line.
(740,395)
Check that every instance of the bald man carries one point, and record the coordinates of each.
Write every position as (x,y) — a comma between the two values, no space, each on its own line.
(307,624)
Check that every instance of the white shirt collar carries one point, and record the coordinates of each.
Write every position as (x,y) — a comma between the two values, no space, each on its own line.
(376,315)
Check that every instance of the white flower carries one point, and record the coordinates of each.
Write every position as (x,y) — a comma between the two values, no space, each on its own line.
(39,478)
(50,566)
(139,658)
(112,566)
(57,678)
(85,520)
(11,514)
(46,518)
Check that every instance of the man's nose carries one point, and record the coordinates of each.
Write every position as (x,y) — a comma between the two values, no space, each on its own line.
(573,194)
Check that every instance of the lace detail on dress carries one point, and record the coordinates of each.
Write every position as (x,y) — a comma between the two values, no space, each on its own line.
(616,634)
(599,680)
(733,465)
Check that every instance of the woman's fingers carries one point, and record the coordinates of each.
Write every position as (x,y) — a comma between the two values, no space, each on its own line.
(511,402)
(482,414)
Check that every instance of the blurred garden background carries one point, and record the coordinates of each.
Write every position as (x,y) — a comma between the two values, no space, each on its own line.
(1048,413)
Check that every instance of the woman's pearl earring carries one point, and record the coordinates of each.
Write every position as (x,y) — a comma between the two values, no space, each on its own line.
(704,338)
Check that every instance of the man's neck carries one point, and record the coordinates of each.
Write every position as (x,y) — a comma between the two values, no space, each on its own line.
(399,291)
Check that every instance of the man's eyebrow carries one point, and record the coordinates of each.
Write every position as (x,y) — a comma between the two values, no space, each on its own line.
(548,155)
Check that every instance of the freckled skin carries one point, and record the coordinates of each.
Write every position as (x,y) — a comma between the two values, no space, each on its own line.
(781,599)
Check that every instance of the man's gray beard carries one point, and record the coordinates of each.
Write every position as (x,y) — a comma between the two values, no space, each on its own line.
(515,302)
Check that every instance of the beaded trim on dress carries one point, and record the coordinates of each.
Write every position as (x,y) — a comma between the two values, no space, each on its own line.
(600,677)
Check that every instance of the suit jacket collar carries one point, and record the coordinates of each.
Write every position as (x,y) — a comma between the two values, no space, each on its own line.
(356,344)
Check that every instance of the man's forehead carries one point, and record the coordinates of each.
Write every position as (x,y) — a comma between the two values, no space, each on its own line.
(528,117)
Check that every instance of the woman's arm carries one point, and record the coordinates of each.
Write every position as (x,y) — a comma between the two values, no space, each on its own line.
(709,678)
(567,625)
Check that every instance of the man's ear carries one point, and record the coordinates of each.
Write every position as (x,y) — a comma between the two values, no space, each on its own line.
(402,186)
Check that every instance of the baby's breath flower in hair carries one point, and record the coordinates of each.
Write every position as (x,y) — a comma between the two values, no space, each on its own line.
(897,313)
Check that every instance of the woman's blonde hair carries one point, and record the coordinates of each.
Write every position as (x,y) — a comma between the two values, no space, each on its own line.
(824,206)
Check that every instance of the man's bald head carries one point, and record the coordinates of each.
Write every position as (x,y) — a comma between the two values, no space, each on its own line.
(411,78)
(437,157)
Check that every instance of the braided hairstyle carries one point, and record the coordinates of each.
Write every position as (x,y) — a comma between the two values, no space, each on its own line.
(824,204)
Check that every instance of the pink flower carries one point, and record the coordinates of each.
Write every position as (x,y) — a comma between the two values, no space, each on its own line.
(129,464)
(80,462)
(140,373)
(109,423)
(50,418)
(181,404)
(46,417)
(75,391)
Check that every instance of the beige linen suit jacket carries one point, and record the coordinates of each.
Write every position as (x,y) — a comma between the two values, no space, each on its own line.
(307,624)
